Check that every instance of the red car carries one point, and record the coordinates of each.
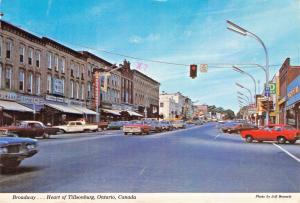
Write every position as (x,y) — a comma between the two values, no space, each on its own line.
(280,133)
(136,127)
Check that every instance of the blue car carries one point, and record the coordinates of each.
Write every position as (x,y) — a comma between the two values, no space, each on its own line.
(14,149)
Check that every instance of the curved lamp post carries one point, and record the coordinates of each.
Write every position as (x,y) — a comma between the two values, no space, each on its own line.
(239,70)
(239,30)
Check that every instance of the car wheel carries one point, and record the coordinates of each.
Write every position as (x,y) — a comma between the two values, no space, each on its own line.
(61,131)
(281,140)
(292,141)
(125,133)
(46,135)
(11,163)
(249,139)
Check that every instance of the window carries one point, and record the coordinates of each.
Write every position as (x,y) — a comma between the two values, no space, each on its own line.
(77,70)
(0,75)
(56,62)
(8,48)
(63,86)
(1,41)
(77,90)
(89,90)
(161,104)
(38,84)
(82,91)
(30,82)
(49,60)
(61,64)
(30,56)
(72,69)
(8,74)
(89,69)
(72,89)
(21,80)
(22,52)
(49,83)
(37,58)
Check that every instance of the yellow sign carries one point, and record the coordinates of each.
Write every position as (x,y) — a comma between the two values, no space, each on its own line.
(293,92)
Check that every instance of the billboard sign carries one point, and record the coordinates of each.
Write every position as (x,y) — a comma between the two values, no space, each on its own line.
(58,86)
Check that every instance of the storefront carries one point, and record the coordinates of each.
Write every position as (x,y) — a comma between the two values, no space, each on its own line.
(293,103)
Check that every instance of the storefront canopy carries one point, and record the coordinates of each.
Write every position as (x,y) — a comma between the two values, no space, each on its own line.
(65,109)
(14,106)
(84,110)
(114,112)
(132,113)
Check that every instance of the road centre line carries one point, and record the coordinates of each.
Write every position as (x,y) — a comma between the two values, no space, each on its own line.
(288,153)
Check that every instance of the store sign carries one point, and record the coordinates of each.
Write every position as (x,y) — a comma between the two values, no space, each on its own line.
(12,96)
(293,92)
(58,86)
(8,95)
(272,88)
(56,99)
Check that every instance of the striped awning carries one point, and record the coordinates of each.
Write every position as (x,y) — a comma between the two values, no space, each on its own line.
(14,106)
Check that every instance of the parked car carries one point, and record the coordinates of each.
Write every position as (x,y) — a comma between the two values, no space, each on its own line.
(115,125)
(198,122)
(31,129)
(280,133)
(136,127)
(14,149)
(77,126)
(102,125)
(166,125)
(240,127)
(224,127)
(179,124)
(155,125)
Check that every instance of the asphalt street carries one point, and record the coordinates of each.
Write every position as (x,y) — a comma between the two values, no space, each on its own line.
(197,159)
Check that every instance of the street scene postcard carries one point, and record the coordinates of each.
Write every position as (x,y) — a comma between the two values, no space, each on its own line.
(149,101)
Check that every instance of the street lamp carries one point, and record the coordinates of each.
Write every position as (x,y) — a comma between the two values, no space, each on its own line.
(241,86)
(242,98)
(239,30)
(237,69)
(245,96)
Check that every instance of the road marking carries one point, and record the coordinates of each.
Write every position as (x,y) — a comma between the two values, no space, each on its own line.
(142,171)
(288,153)
(217,136)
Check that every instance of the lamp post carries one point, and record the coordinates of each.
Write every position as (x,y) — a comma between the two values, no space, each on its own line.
(242,98)
(239,70)
(241,86)
(239,30)
(245,96)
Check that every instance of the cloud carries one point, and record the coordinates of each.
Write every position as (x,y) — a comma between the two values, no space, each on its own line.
(49,7)
(135,39)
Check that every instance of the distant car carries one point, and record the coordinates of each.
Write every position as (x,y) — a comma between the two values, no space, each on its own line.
(279,133)
(136,127)
(166,125)
(31,129)
(179,124)
(155,125)
(241,127)
(14,149)
(115,125)
(224,127)
(198,122)
(77,126)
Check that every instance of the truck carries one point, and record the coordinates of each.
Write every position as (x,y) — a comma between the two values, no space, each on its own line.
(77,126)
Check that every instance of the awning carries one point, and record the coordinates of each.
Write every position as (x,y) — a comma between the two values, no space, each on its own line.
(114,112)
(36,107)
(132,113)
(14,106)
(62,108)
(84,110)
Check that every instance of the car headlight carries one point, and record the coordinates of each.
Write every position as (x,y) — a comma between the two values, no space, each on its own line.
(3,150)
(31,146)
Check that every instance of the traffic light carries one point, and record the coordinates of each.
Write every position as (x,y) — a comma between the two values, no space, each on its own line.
(193,71)
(265,105)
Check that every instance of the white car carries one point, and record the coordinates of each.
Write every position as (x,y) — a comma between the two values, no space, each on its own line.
(179,124)
(77,126)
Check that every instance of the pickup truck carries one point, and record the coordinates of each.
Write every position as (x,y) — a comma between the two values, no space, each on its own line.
(77,126)
(31,129)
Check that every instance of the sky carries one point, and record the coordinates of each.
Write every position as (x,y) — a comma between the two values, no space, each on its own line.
(173,31)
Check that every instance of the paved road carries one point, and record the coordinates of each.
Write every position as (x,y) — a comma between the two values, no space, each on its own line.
(199,159)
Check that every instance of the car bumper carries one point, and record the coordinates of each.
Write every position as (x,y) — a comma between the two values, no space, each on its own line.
(19,156)
(297,137)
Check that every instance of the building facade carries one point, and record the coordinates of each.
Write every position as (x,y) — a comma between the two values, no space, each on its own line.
(43,78)
(293,103)
(145,95)
(287,74)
